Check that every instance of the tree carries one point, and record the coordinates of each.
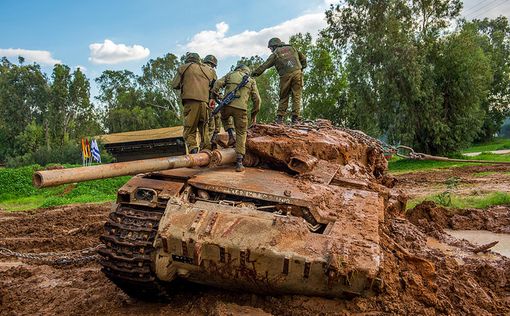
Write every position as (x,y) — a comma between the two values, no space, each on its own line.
(156,83)
(82,115)
(23,98)
(325,79)
(118,89)
(495,42)
(407,76)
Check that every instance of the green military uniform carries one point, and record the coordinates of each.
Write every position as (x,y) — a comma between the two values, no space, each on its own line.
(289,63)
(214,123)
(238,107)
(194,80)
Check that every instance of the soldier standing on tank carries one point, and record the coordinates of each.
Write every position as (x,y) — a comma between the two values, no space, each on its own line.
(194,80)
(215,122)
(237,109)
(289,63)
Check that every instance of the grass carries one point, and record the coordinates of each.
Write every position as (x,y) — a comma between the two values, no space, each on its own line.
(496,144)
(483,174)
(17,192)
(399,165)
(456,201)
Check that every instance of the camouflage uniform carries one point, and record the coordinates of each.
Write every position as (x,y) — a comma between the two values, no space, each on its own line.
(289,63)
(194,80)
(238,108)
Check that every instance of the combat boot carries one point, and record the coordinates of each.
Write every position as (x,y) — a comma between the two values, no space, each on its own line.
(214,138)
(279,119)
(231,137)
(239,163)
(295,119)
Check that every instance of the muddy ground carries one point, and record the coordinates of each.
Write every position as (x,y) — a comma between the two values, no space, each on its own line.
(426,272)
(471,180)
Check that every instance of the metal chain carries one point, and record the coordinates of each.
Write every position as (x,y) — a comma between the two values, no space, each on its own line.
(57,258)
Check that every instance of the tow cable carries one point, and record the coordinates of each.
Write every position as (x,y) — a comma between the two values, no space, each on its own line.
(74,257)
(409,153)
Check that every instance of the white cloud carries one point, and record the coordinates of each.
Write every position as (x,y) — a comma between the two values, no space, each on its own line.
(110,53)
(38,56)
(82,68)
(250,43)
(330,2)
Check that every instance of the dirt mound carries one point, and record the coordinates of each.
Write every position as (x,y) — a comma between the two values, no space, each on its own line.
(495,219)
(307,147)
(418,279)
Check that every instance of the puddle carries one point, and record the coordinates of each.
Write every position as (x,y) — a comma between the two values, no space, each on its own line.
(482,237)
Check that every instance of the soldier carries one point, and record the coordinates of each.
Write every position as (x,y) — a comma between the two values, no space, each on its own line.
(289,63)
(237,109)
(215,122)
(194,80)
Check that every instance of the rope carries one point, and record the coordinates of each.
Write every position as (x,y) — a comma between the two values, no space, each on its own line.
(409,153)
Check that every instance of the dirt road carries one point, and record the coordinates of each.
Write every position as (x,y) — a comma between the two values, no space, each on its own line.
(425,271)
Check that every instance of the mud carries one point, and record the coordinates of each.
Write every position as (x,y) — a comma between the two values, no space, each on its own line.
(419,278)
(318,147)
(472,180)
(495,219)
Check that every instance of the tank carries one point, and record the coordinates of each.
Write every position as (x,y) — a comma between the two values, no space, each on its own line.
(303,218)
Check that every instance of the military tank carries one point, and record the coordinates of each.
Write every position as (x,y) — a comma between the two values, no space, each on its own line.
(302,219)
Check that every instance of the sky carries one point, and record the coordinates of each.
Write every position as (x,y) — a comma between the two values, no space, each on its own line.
(124,34)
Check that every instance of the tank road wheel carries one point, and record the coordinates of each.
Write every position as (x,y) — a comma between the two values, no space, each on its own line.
(127,259)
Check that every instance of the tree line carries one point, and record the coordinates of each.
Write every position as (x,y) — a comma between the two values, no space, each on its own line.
(409,72)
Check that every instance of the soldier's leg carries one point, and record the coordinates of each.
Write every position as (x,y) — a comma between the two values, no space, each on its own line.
(297,92)
(230,124)
(191,112)
(241,126)
(203,126)
(226,119)
(210,122)
(217,123)
(285,89)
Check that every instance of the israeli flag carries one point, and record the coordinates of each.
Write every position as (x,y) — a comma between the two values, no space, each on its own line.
(95,151)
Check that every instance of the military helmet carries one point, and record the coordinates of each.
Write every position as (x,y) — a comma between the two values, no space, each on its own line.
(243,67)
(192,57)
(274,42)
(210,59)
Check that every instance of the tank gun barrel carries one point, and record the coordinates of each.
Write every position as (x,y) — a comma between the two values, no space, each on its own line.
(48,178)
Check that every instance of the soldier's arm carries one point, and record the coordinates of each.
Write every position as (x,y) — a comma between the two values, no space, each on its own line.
(302,59)
(267,64)
(255,97)
(176,83)
(218,85)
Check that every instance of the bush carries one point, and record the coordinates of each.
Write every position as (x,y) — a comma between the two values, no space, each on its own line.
(67,154)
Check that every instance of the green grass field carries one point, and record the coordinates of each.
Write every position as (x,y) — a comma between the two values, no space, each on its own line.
(398,165)
(497,144)
(461,202)
(18,193)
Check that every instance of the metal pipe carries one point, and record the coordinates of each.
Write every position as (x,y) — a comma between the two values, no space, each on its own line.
(48,178)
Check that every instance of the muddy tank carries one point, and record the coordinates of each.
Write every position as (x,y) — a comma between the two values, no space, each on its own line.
(304,218)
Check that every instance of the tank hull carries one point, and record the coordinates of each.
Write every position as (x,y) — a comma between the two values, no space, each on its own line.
(240,245)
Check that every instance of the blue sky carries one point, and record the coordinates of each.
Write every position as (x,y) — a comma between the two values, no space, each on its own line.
(67,28)
(115,34)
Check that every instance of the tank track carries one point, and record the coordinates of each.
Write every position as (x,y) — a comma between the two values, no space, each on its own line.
(127,258)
